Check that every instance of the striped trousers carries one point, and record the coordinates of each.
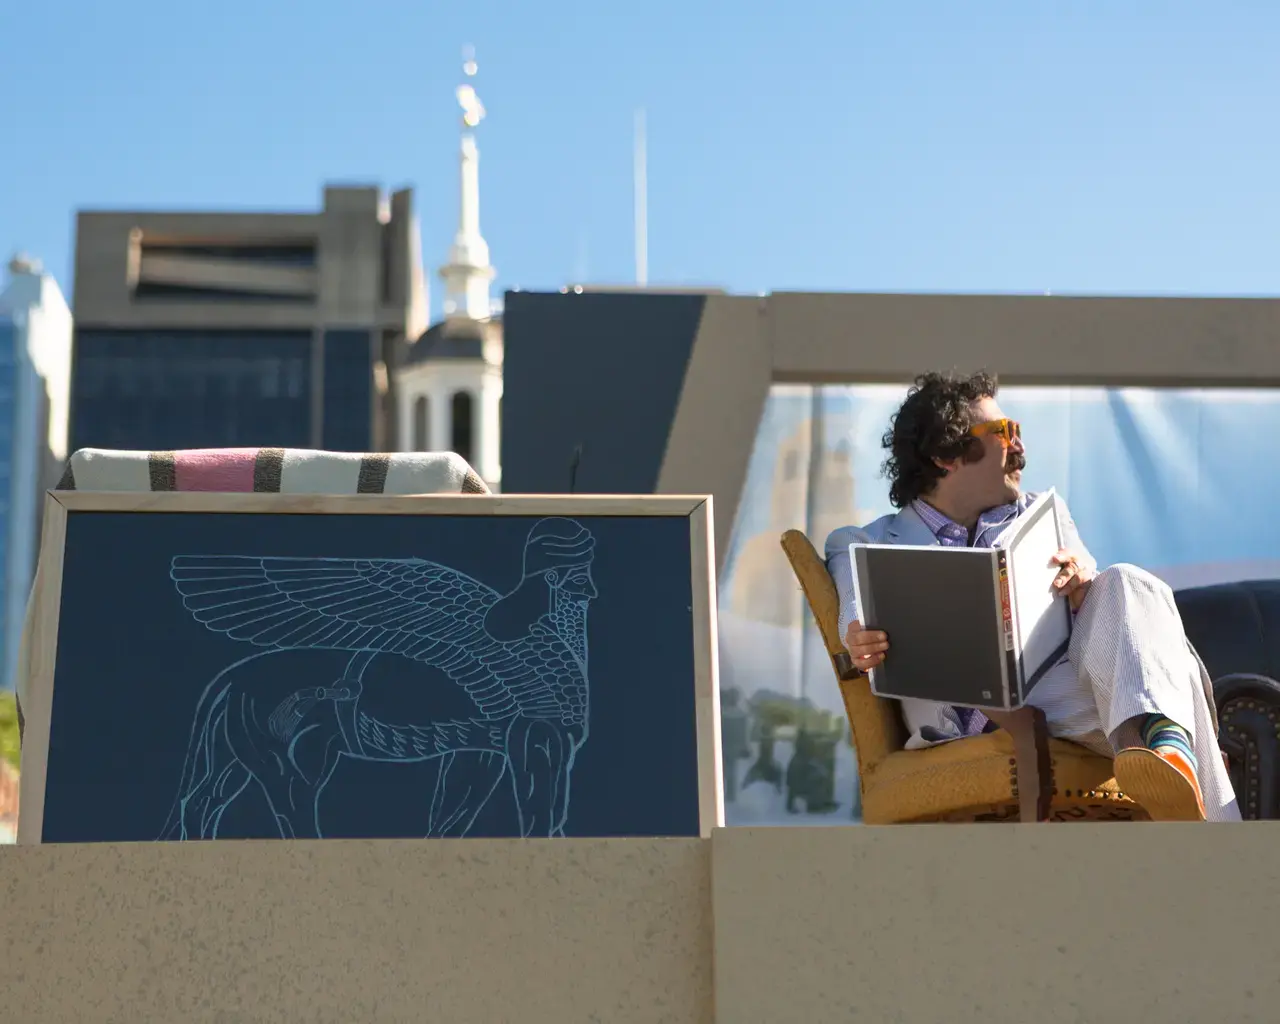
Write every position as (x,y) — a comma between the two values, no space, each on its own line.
(1129,657)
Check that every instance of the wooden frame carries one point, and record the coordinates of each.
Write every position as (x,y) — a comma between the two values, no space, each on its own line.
(42,637)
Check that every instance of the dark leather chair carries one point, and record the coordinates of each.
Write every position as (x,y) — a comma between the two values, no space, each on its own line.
(1236,629)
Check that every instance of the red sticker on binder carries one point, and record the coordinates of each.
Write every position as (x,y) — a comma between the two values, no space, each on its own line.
(1006,609)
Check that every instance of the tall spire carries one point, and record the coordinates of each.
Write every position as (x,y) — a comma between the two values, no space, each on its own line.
(468,272)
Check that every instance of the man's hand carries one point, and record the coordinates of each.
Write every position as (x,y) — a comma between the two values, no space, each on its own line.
(1073,579)
(866,645)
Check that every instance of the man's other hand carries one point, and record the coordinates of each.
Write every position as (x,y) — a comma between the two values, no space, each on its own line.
(1073,579)
(867,646)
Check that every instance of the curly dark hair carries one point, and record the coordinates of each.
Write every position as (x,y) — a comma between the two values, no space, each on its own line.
(933,423)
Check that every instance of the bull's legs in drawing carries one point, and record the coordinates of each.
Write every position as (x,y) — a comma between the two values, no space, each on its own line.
(466,782)
(541,757)
(215,778)
(291,748)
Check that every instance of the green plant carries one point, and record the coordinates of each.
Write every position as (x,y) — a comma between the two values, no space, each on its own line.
(9,728)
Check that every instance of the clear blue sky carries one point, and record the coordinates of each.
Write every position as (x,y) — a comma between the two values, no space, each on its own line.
(1006,145)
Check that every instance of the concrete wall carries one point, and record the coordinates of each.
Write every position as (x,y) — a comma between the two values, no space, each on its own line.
(1059,340)
(367,275)
(981,923)
(102,295)
(367,271)
(977,924)
(460,931)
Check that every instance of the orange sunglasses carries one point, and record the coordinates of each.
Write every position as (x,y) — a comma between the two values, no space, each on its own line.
(1007,429)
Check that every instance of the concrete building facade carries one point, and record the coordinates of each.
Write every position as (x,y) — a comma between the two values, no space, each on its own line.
(245,329)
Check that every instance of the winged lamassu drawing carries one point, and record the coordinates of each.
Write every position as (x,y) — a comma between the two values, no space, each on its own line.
(521,658)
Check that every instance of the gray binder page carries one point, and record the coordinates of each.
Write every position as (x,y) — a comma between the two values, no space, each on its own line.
(941,610)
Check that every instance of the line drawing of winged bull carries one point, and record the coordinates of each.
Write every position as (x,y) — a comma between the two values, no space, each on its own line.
(521,657)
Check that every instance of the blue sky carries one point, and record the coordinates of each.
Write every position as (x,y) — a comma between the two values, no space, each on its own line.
(1081,146)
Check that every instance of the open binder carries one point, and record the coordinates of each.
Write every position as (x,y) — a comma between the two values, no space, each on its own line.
(971,627)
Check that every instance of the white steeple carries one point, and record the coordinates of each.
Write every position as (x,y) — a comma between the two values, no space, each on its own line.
(450,381)
(468,273)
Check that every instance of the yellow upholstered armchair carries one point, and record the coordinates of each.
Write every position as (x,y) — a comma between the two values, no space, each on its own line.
(1016,772)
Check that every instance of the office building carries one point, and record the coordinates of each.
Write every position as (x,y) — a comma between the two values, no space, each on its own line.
(35,355)
(197,330)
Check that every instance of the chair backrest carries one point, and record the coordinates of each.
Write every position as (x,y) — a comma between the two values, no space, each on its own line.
(875,721)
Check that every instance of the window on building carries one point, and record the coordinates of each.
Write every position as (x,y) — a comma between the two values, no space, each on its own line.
(421,435)
(158,389)
(348,391)
(463,415)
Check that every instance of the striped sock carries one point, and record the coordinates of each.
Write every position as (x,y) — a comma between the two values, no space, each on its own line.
(1162,734)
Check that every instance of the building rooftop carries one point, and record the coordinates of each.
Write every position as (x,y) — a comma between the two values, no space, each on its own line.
(452,338)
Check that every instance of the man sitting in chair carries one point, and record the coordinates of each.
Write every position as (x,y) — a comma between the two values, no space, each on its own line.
(1130,684)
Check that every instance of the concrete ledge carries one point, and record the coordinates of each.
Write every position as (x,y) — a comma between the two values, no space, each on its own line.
(342,931)
(996,923)
(1145,922)
(832,337)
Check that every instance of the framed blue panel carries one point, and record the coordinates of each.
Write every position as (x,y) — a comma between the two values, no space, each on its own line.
(286,666)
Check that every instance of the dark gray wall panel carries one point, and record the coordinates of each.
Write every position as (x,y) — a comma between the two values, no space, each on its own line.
(603,371)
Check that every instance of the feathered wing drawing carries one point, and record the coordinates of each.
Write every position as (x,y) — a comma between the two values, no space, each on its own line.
(521,657)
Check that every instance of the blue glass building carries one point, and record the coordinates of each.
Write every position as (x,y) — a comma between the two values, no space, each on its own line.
(35,343)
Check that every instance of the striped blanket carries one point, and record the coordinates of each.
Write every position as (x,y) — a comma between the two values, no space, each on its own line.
(261,470)
(271,471)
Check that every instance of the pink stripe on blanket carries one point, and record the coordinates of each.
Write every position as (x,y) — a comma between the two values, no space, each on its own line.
(214,469)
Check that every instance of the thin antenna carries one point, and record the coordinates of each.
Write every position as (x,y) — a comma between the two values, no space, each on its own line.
(642,204)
